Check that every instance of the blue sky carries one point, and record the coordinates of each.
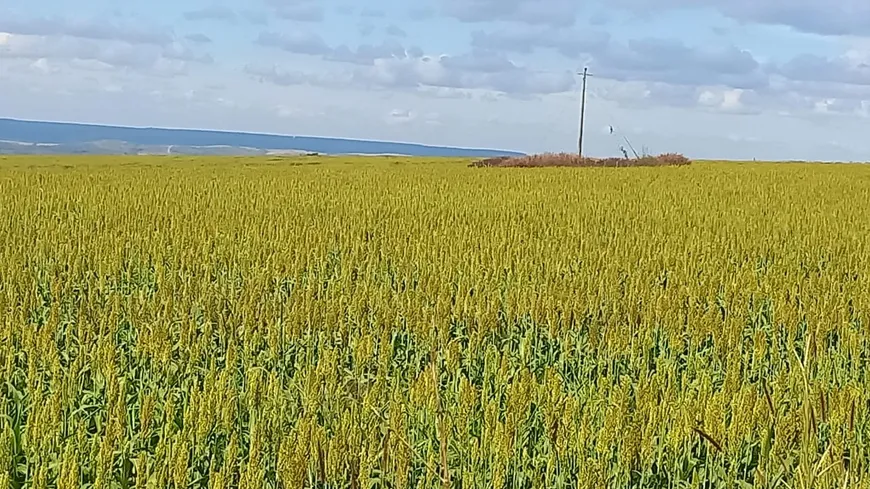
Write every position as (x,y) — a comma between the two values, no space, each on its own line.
(767,79)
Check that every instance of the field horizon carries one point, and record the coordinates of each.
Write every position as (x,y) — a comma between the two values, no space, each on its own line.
(298,159)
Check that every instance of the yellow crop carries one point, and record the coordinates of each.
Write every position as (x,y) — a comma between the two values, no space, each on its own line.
(405,323)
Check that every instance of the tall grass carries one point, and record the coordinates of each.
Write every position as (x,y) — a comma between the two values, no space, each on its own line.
(216,323)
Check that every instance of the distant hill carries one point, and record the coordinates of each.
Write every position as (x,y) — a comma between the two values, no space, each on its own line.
(34,137)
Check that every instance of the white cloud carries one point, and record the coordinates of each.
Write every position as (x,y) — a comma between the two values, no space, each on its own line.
(390,65)
(43,67)
(825,17)
(400,116)
(213,12)
(540,12)
(289,77)
(172,59)
(198,38)
(298,10)
(94,43)
(727,100)
(86,28)
(474,72)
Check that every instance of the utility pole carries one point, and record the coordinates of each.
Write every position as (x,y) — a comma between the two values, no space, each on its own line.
(582,111)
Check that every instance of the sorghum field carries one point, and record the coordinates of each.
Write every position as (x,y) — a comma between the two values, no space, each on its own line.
(408,323)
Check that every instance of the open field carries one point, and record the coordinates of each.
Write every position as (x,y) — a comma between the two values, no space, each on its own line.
(394,322)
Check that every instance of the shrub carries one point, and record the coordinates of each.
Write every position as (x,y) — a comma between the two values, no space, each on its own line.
(568,159)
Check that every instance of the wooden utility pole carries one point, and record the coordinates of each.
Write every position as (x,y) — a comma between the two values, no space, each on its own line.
(582,112)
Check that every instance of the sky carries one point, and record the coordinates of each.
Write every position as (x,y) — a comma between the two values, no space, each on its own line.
(731,79)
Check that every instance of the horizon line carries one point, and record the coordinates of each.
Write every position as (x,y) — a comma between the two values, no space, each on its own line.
(254,133)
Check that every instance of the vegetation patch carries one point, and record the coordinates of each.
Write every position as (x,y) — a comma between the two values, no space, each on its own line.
(569,159)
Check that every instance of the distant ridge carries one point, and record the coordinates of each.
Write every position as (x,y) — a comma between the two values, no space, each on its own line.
(38,137)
